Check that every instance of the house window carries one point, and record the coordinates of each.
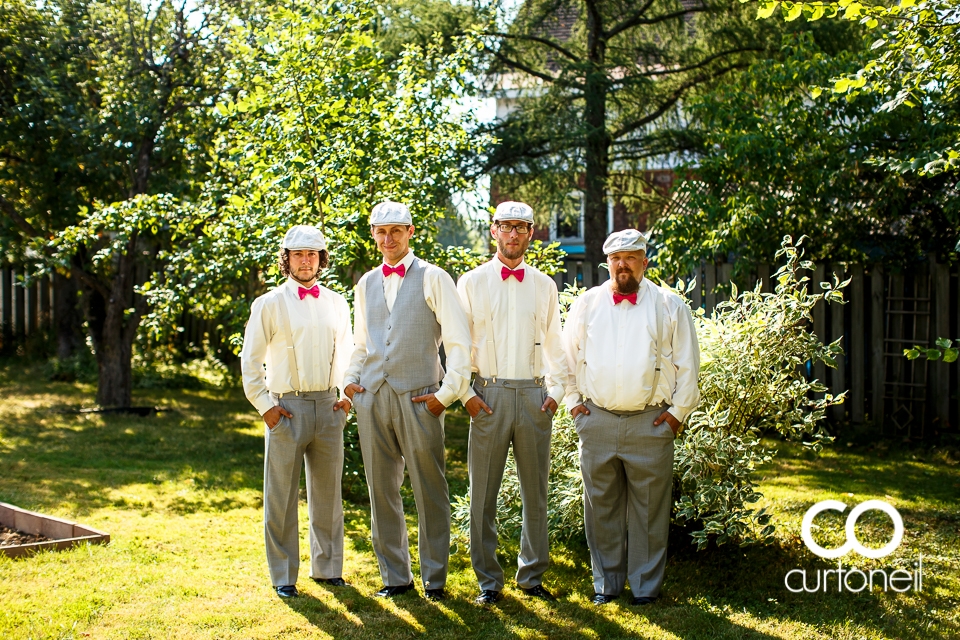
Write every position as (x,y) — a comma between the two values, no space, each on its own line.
(567,222)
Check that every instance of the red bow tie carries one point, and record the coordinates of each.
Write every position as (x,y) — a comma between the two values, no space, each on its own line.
(619,297)
(516,273)
(312,291)
(400,270)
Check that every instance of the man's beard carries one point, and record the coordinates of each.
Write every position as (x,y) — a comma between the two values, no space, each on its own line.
(296,277)
(627,285)
(512,253)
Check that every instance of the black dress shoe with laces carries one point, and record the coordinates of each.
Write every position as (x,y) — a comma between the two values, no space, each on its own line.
(288,591)
(539,591)
(641,600)
(435,594)
(389,592)
(333,582)
(602,598)
(488,596)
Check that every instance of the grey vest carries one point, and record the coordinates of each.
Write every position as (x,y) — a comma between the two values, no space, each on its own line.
(403,346)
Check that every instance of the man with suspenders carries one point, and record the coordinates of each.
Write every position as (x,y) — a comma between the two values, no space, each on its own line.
(301,332)
(632,352)
(404,309)
(521,373)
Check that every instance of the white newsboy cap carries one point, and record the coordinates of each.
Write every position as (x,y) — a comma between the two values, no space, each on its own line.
(513,211)
(626,240)
(304,237)
(390,213)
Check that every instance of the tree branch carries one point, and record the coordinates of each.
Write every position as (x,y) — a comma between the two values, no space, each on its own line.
(20,221)
(519,66)
(544,41)
(658,19)
(629,21)
(673,99)
(692,67)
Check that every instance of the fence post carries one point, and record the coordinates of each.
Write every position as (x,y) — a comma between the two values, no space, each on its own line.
(819,322)
(709,284)
(857,355)
(763,274)
(6,307)
(696,298)
(838,376)
(876,345)
(725,277)
(941,370)
(33,308)
(19,309)
(46,290)
(587,274)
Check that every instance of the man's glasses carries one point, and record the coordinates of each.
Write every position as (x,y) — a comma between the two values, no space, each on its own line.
(522,229)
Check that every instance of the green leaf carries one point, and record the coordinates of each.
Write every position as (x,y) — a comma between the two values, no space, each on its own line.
(766,9)
(950,355)
(944,343)
(792,10)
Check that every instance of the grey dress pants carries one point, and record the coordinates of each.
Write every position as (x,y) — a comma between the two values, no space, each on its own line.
(517,421)
(627,466)
(395,432)
(313,436)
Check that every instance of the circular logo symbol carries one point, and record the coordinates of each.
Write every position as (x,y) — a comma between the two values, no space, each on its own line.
(852,542)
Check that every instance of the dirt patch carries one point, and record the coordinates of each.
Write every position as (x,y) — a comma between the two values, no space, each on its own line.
(11,537)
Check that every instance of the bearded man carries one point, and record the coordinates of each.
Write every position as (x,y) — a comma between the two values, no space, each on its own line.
(632,351)
(300,333)
(521,373)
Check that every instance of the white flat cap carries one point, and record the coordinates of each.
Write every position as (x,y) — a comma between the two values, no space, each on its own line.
(390,213)
(304,236)
(513,211)
(626,240)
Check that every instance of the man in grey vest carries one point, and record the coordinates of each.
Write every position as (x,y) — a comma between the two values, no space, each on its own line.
(300,332)
(634,360)
(403,310)
(514,316)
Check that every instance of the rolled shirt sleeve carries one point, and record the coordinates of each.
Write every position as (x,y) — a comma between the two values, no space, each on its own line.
(261,327)
(686,358)
(359,354)
(440,294)
(570,341)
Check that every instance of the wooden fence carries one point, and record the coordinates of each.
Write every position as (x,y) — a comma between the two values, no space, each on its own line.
(885,313)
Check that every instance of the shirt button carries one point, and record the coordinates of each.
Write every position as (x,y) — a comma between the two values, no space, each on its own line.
(387,358)
(388,343)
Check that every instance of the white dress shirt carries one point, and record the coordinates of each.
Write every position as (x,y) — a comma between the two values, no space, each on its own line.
(441,297)
(620,352)
(512,305)
(317,324)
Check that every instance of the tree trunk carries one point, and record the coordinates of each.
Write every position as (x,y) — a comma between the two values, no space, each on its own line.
(113,329)
(597,148)
(68,317)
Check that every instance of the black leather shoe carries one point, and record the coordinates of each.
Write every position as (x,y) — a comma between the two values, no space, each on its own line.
(602,598)
(435,594)
(389,592)
(288,591)
(539,591)
(333,582)
(488,596)
(641,600)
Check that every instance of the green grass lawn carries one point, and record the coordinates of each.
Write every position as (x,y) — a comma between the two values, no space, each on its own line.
(180,494)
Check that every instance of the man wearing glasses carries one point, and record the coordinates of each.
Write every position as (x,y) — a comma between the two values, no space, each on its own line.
(403,310)
(521,372)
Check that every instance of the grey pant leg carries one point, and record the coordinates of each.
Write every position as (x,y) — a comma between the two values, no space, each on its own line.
(324,463)
(383,466)
(421,441)
(531,449)
(604,498)
(486,458)
(648,462)
(283,457)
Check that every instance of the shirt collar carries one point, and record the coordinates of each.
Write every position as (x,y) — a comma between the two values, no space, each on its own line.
(644,284)
(293,285)
(497,263)
(406,261)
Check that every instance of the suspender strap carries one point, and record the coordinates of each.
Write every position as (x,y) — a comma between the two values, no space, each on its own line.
(659,345)
(540,328)
(288,334)
(488,331)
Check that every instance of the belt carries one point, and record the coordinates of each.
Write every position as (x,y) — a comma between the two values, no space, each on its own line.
(529,383)
(308,395)
(626,414)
